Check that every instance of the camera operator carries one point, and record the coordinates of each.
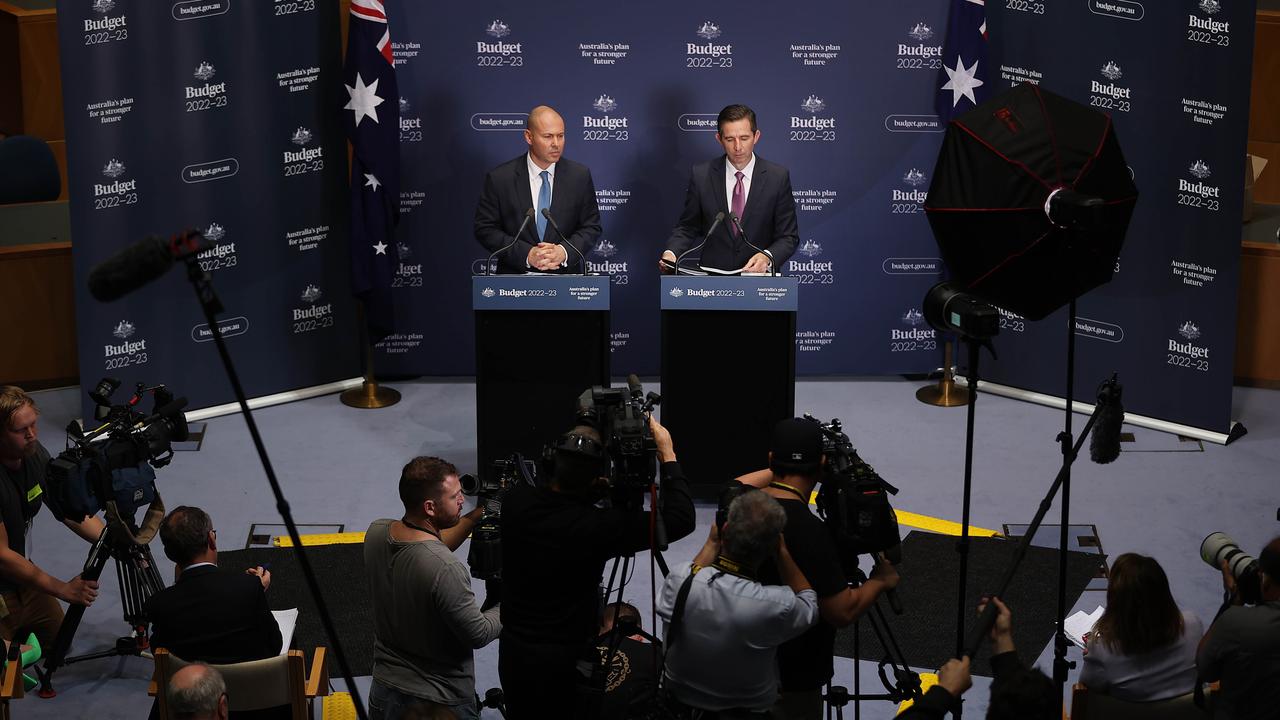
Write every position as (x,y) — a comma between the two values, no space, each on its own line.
(556,541)
(796,463)
(27,591)
(1242,647)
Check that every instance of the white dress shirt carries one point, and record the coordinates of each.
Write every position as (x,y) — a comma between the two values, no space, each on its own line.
(535,181)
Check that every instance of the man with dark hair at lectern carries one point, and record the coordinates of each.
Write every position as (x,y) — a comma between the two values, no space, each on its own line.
(510,211)
(757,230)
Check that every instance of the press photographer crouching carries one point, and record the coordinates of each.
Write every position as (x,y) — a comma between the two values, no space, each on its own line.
(29,593)
(723,625)
(1242,647)
(556,539)
(798,461)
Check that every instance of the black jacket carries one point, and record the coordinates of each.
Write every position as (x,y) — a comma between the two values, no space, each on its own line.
(768,219)
(214,615)
(506,197)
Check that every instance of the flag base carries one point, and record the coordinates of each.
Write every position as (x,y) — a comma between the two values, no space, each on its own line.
(370,395)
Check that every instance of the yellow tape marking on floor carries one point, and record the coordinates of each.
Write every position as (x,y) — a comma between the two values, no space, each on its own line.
(932,524)
(346,538)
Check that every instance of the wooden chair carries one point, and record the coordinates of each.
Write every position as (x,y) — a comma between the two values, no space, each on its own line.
(256,684)
(11,687)
(1097,706)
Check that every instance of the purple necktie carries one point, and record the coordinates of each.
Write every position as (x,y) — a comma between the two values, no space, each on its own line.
(739,202)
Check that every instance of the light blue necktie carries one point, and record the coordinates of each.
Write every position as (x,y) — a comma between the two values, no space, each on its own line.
(544,202)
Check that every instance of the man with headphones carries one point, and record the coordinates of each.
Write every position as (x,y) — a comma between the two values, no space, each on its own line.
(556,539)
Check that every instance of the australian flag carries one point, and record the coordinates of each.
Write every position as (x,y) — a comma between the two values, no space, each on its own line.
(372,119)
(962,80)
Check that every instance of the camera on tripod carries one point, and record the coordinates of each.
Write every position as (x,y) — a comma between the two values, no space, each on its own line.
(622,419)
(485,555)
(111,465)
(853,500)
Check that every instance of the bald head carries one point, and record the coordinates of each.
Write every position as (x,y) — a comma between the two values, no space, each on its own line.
(197,692)
(544,131)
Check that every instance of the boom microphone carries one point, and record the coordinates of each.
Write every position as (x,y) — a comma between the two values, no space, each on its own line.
(488,263)
(546,213)
(714,225)
(1104,446)
(140,263)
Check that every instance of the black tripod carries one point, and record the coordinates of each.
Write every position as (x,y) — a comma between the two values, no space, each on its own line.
(139,580)
(905,683)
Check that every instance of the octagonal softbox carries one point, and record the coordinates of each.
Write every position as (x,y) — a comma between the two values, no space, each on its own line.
(988,204)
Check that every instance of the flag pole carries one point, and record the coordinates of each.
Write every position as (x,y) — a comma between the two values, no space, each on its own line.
(370,395)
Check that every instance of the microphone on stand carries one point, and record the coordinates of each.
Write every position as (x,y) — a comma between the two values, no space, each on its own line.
(1104,446)
(773,269)
(714,225)
(488,264)
(140,263)
(546,213)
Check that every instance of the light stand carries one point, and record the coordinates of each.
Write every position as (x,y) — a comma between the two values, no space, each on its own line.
(211,306)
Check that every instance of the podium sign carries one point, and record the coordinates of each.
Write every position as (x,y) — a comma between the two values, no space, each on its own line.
(685,292)
(540,292)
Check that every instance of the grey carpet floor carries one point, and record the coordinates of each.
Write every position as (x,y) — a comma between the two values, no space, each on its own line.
(340,465)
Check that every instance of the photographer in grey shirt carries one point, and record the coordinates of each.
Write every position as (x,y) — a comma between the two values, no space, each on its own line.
(722,636)
(426,622)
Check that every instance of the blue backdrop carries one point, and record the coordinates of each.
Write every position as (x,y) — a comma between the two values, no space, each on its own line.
(195,114)
(1174,76)
(840,89)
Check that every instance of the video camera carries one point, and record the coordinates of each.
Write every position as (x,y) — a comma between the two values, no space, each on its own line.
(110,467)
(622,419)
(485,555)
(854,501)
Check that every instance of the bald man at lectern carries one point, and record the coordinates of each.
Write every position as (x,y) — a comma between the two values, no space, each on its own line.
(518,191)
(757,229)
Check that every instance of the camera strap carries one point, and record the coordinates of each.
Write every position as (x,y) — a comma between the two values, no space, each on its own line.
(419,528)
(677,611)
(789,488)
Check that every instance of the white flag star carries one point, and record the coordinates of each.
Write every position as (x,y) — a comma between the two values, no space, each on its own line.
(380,248)
(364,100)
(962,82)
(371,181)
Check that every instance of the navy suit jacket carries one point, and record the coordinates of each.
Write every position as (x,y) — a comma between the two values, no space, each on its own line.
(768,219)
(215,616)
(506,198)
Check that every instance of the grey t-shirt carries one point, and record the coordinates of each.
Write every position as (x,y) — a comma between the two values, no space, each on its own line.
(426,622)
(1243,651)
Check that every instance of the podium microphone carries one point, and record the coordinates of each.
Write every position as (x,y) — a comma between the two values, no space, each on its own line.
(773,268)
(488,264)
(140,263)
(714,225)
(1104,446)
(546,213)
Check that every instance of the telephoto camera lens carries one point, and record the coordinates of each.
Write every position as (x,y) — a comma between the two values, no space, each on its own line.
(1219,546)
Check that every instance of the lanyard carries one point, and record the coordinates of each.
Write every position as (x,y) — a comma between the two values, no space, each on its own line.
(419,528)
(789,488)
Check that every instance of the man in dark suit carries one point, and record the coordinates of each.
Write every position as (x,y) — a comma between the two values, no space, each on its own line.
(539,179)
(209,614)
(742,185)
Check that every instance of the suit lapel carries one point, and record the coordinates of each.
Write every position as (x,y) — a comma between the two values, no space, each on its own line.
(524,200)
(715,172)
(759,182)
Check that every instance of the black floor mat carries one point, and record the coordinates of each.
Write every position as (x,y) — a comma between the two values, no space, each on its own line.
(340,571)
(926,631)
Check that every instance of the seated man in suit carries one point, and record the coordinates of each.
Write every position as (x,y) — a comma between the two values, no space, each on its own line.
(537,180)
(743,186)
(209,614)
